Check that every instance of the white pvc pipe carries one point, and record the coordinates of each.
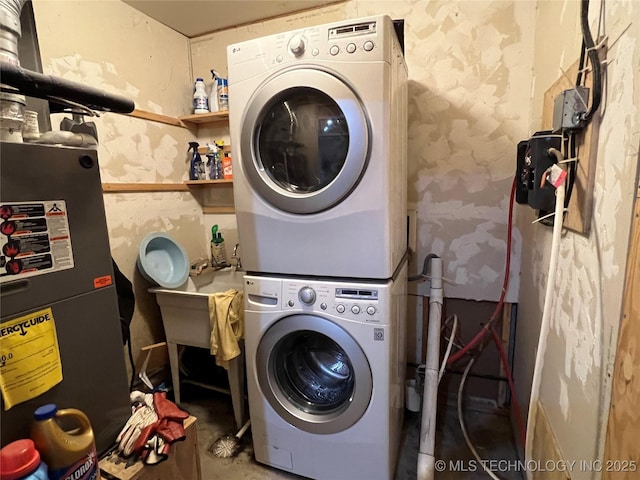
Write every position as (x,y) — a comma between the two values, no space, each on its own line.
(544,326)
(426,454)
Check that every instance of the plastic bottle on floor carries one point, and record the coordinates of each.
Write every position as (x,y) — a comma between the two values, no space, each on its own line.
(68,454)
(20,460)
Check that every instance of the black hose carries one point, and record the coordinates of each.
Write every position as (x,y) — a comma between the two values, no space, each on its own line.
(573,169)
(49,87)
(594,60)
(581,64)
(425,268)
(133,366)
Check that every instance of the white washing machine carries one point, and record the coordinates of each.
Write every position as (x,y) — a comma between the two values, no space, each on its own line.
(325,374)
(318,125)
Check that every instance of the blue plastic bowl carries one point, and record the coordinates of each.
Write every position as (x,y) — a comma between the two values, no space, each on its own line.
(163,261)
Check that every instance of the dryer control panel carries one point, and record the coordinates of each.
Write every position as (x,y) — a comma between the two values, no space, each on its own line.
(352,41)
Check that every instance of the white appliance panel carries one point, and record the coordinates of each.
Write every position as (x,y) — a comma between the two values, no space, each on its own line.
(298,448)
(363,235)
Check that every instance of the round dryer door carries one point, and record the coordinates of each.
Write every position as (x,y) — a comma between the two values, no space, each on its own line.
(305,141)
(314,374)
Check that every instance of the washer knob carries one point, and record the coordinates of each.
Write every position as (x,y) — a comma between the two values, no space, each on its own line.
(307,295)
(368,45)
(340,308)
(297,45)
(355,309)
(371,309)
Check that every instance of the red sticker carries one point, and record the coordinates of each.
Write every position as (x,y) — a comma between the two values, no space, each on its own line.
(102,281)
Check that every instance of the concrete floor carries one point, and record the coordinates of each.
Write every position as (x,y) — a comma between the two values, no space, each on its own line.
(491,433)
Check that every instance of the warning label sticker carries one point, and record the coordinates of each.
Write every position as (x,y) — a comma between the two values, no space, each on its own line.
(29,357)
(34,239)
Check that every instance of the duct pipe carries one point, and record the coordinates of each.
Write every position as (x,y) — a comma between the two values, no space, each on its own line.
(10,31)
(426,454)
(11,104)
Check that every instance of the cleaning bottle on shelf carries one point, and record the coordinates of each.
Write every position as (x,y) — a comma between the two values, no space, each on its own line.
(223,94)
(227,167)
(200,98)
(213,162)
(196,165)
(213,96)
(218,249)
(68,454)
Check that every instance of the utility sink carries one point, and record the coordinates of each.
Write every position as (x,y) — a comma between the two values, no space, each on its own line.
(185,316)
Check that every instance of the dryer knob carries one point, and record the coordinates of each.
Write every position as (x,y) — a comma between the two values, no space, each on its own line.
(297,45)
(307,295)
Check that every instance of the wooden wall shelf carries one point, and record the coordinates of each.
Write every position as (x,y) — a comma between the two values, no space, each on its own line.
(200,118)
(187,121)
(156,117)
(143,187)
(207,183)
(219,209)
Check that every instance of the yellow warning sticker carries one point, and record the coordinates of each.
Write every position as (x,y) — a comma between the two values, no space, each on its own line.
(29,357)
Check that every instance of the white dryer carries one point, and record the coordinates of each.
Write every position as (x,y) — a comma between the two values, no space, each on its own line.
(318,125)
(325,370)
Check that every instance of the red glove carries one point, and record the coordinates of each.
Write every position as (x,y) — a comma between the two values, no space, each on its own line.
(170,417)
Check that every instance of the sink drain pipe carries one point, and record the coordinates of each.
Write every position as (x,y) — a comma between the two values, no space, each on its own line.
(426,454)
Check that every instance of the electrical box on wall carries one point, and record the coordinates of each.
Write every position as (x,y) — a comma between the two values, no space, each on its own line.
(533,160)
(569,108)
(580,202)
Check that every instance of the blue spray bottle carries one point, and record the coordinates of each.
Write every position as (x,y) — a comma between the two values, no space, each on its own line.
(196,165)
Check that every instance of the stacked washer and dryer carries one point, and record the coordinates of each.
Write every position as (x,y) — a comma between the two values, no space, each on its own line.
(318,121)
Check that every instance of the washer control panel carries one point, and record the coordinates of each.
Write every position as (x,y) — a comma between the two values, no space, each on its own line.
(360,303)
(307,295)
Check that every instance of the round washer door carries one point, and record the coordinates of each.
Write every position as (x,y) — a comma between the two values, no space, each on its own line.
(314,374)
(304,141)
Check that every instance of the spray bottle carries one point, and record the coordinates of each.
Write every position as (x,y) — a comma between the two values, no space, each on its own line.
(213,162)
(196,165)
(213,95)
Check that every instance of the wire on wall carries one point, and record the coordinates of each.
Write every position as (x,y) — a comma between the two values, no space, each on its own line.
(591,50)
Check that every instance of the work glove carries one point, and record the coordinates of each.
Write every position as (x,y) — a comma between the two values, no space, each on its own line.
(142,420)
(170,416)
(156,450)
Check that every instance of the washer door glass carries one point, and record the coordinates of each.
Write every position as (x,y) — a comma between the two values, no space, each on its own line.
(314,374)
(305,141)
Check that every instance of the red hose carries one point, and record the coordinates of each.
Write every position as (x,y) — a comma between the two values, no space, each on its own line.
(481,334)
(512,387)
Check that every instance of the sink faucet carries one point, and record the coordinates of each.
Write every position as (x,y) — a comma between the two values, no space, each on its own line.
(235,259)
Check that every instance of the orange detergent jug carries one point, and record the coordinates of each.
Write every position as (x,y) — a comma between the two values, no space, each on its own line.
(68,454)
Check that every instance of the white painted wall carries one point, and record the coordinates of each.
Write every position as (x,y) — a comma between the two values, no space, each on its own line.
(576,388)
